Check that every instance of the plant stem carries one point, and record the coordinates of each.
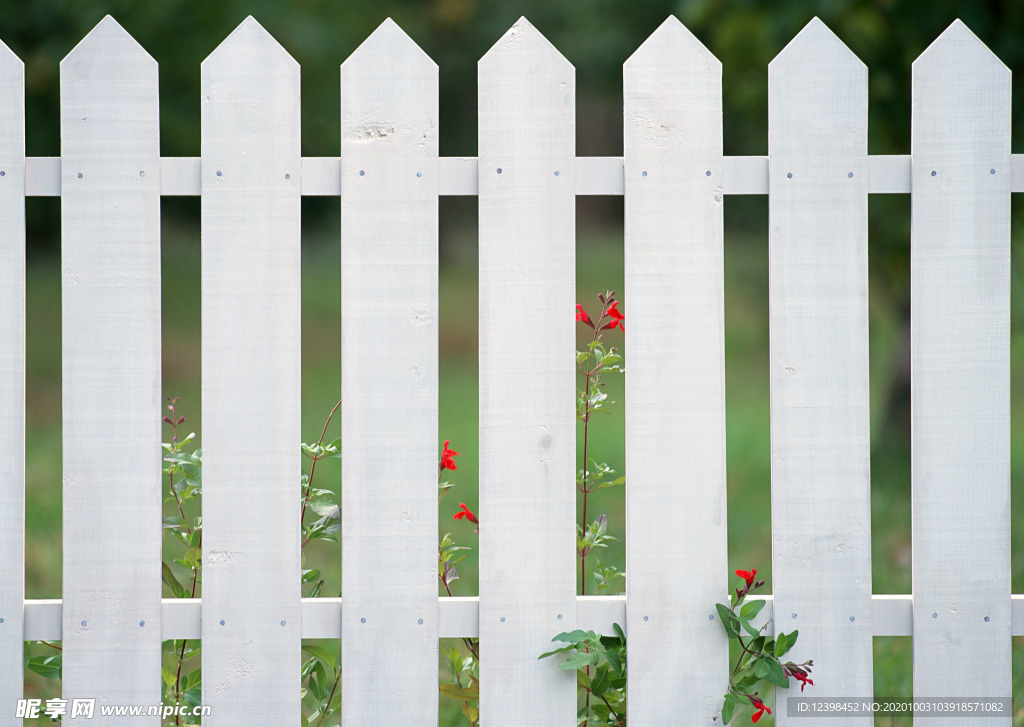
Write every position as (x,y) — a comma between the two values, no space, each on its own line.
(312,467)
(331,696)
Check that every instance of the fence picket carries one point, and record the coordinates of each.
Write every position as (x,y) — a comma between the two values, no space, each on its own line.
(110,296)
(676,546)
(251,380)
(820,419)
(960,358)
(389,288)
(527,424)
(12,379)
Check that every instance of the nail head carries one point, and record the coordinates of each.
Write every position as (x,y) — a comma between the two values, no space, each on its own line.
(986,619)
(499,170)
(502,619)
(79,175)
(419,174)
(711,617)
(644,174)
(850,175)
(84,623)
(853,618)
(991,171)
(792,615)
(789,175)
(935,615)
(362,172)
(362,620)
(646,618)
(220,173)
(934,173)
(287,176)
(707,173)
(283,623)
(556,172)
(142,623)
(419,621)
(3,174)
(142,173)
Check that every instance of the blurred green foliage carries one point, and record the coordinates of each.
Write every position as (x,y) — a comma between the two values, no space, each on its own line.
(597,36)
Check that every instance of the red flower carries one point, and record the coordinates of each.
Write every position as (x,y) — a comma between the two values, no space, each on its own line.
(447,463)
(800,675)
(748,576)
(618,319)
(581,315)
(466,513)
(760,706)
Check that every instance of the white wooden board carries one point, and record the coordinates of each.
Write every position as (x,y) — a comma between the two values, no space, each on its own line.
(676,550)
(389,289)
(818,319)
(110,296)
(251,381)
(960,372)
(12,379)
(527,413)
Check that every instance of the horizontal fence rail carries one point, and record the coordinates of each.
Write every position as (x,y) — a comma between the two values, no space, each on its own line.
(459,176)
(389,175)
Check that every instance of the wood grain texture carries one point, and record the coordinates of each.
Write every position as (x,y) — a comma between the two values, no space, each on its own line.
(110,300)
(12,380)
(527,423)
(818,319)
(251,381)
(960,371)
(389,290)
(676,553)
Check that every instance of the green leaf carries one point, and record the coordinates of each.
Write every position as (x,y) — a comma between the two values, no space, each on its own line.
(599,684)
(760,668)
(472,712)
(167,675)
(573,637)
(749,629)
(751,609)
(728,621)
(775,674)
(580,660)
(728,707)
(785,642)
(791,640)
(460,694)
(321,655)
(176,588)
(193,558)
(46,666)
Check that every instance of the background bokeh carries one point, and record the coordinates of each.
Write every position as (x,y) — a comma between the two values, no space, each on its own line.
(597,36)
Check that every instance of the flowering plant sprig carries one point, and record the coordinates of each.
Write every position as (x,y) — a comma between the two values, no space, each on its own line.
(463,670)
(760,657)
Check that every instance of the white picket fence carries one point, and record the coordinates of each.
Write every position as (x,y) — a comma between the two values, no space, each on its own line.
(251,175)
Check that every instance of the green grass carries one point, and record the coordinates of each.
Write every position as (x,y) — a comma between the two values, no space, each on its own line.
(599,268)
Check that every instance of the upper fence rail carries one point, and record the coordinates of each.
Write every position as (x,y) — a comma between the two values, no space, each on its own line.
(459,176)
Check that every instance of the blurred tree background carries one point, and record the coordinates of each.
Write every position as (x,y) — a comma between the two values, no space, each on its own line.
(597,36)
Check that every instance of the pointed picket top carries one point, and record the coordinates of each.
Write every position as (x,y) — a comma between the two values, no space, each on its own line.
(8,59)
(107,41)
(673,39)
(522,39)
(391,45)
(816,44)
(957,44)
(249,40)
